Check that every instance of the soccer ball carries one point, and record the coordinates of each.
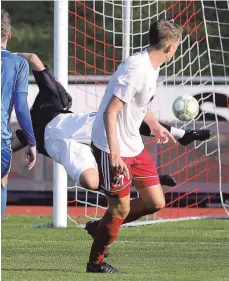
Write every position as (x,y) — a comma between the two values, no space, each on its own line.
(185,108)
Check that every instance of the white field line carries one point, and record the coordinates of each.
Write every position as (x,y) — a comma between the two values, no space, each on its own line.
(119,242)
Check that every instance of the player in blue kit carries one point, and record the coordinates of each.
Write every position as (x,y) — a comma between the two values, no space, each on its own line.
(14,89)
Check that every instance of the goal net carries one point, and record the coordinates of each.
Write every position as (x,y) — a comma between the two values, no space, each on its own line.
(102,34)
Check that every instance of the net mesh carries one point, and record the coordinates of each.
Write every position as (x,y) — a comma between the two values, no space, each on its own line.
(96,39)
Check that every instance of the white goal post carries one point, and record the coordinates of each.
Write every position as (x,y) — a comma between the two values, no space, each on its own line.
(61,74)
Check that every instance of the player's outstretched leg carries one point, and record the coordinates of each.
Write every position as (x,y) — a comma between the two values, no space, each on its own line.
(192,135)
(138,208)
(164,180)
(150,201)
(91,226)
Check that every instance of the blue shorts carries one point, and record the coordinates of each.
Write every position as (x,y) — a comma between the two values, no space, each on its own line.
(6,156)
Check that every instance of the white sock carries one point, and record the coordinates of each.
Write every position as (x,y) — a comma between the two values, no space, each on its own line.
(177,133)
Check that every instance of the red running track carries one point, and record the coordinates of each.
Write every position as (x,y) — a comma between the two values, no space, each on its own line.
(80,211)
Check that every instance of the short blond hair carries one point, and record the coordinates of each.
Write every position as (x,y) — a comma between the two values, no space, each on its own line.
(5,25)
(164,32)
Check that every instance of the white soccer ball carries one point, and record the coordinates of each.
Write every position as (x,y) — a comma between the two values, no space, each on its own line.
(185,108)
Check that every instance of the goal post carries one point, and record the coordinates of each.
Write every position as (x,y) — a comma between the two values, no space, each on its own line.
(126,28)
(103,33)
(61,74)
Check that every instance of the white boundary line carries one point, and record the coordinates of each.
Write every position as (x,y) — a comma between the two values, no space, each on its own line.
(156,221)
(142,223)
(120,242)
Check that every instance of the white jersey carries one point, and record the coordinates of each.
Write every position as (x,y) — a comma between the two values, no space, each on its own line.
(72,126)
(134,82)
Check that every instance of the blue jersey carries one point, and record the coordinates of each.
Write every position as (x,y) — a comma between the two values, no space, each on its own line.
(14,89)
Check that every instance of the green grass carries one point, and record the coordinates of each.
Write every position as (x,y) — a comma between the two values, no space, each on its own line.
(186,251)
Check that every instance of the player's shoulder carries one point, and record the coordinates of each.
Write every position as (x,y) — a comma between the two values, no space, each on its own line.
(15,59)
(23,63)
(137,59)
(135,63)
(140,61)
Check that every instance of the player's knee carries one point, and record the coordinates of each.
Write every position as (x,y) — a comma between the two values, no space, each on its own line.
(155,205)
(159,204)
(90,184)
(89,179)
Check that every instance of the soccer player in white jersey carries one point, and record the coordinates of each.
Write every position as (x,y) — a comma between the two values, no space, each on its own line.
(117,144)
(66,136)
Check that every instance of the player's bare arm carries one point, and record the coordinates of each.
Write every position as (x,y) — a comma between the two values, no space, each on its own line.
(34,61)
(110,122)
(160,132)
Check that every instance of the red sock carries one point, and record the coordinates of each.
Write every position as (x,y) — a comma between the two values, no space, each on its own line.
(106,234)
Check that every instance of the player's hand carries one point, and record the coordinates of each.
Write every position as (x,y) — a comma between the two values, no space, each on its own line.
(119,166)
(30,156)
(162,134)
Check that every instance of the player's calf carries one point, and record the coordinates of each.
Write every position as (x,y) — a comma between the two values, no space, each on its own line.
(104,237)
(107,229)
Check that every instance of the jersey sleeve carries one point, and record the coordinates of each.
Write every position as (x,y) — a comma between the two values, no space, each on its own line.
(48,85)
(22,80)
(24,118)
(20,135)
(129,83)
(20,102)
(45,80)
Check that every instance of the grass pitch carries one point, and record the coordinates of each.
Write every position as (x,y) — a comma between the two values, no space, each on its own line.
(186,251)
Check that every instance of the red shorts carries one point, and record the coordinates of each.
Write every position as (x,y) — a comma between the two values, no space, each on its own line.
(142,171)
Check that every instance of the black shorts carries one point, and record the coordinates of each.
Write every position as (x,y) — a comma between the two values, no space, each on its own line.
(51,100)
(51,93)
